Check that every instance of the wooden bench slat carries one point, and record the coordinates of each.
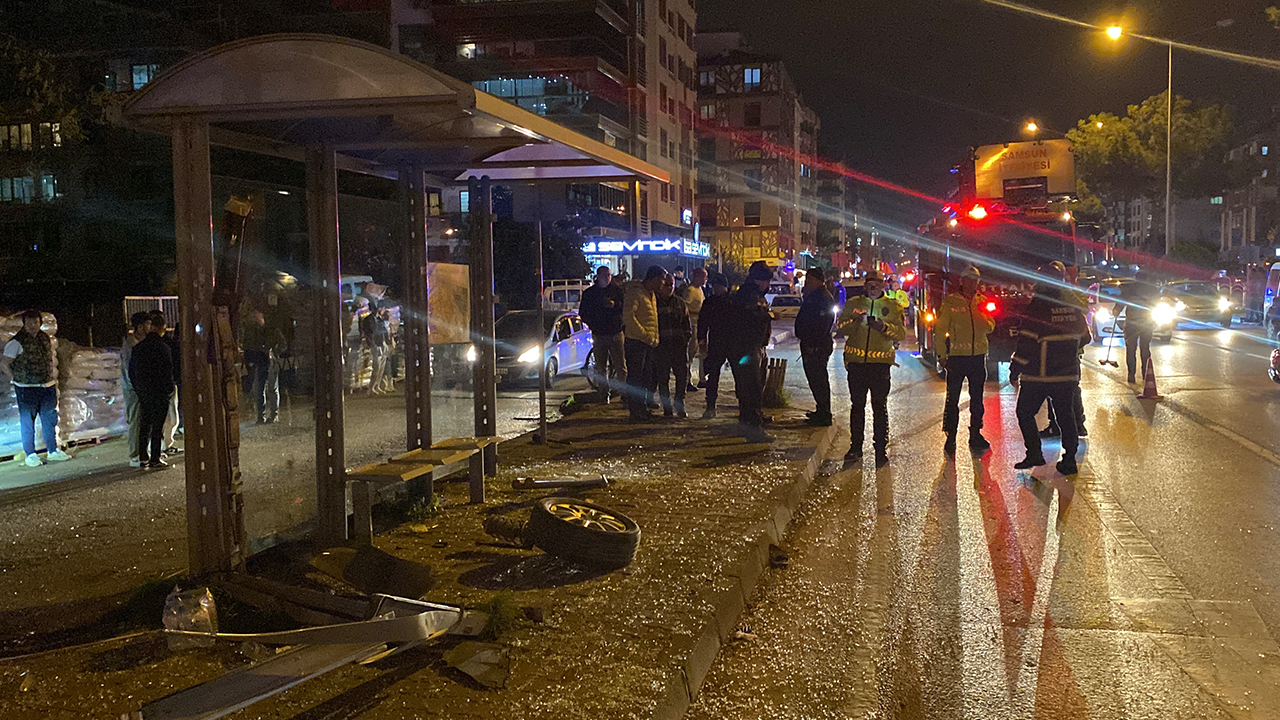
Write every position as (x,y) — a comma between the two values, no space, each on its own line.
(468,442)
(386,471)
(436,456)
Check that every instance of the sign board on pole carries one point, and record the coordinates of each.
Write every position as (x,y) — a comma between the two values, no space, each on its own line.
(996,167)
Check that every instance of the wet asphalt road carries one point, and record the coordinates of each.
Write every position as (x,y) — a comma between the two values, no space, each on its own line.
(1146,587)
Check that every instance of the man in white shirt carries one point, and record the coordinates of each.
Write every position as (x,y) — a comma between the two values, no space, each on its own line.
(694,296)
(30,361)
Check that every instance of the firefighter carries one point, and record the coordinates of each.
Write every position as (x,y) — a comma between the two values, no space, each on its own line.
(871,323)
(1051,335)
(964,324)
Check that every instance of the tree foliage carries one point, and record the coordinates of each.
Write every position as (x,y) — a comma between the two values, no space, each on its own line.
(1121,158)
(35,85)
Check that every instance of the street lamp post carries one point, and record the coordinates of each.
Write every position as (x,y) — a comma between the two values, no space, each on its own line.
(1115,32)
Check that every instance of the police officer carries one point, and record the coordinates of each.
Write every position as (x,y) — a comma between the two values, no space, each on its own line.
(748,336)
(964,322)
(871,323)
(1138,299)
(1051,335)
(713,321)
(813,330)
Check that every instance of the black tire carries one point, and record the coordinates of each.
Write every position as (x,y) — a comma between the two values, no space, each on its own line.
(590,371)
(583,532)
(553,369)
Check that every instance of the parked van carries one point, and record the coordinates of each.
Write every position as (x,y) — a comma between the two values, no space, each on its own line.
(562,295)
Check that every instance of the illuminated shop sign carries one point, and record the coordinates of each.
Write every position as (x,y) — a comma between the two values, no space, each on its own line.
(691,248)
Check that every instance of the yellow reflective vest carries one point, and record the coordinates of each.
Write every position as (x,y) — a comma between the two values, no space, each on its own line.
(864,344)
(963,326)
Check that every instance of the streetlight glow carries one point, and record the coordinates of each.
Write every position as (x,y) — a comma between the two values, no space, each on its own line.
(1099,124)
(1114,32)
(1032,127)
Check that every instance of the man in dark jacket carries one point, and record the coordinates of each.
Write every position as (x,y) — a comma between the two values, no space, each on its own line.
(712,320)
(151,371)
(1138,298)
(1052,332)
(748,333)
(813,330)
(672,356)
(601,310)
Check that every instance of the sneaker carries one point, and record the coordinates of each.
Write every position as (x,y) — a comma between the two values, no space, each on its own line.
(58,456)
(1082,432)
(1050,432)
(157,464)
(977,443)
(709,414)
(135,463)
(817,420)
(1067,466)
(33,460)
(949,445)
(691,388)
(174,450)
(682,414)
(1029,462)
(882,459)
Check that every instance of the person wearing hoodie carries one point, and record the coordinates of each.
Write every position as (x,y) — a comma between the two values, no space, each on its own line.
(640,327)
(1052,332)
(813,330)
(748,329)
(964,323)
(871,324)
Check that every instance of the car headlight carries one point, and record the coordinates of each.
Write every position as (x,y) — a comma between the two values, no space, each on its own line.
(1224,304)
(529,356)
(1103,315)
(472,355)
(1179,306)
(1163,314)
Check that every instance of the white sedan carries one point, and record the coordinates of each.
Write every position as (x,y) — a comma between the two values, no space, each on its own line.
(786,307)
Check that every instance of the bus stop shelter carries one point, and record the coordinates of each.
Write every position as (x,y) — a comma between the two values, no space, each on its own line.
(335,104)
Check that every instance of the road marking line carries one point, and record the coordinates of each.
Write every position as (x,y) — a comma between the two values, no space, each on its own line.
(1130,536)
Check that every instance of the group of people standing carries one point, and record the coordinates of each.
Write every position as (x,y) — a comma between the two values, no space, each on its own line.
(151,375)
(650,335)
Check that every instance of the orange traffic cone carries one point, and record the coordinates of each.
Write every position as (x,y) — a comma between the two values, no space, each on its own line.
(1149,383)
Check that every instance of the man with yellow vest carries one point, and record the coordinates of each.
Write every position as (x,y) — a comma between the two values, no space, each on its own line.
(964,324)
(870,325)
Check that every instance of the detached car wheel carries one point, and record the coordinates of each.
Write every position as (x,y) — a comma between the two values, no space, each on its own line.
(584,532)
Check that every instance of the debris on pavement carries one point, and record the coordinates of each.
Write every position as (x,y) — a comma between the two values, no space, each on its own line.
(486,663)
(507,529)
(586,483)
(778,558)
(744,634)
(193,611)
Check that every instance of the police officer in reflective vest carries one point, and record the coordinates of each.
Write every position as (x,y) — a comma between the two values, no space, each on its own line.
(871,324)
(964,324)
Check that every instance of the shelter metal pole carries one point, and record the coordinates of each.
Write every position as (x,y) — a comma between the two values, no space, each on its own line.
(212,501)
(484,378)
(417,341)
(326,271)
(541,437)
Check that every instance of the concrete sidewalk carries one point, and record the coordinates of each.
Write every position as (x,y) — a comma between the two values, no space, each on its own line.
(634,643)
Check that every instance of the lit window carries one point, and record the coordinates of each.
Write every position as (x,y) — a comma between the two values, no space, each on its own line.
(707,79)
(708,111)
(1265,149)
(468,51)
(751,79)
(804,170)
(464,198)
(1216,201)
(142,74)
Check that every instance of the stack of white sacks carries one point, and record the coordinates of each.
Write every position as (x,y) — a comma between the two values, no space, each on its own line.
(90,397)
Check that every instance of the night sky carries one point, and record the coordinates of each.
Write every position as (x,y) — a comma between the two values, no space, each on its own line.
(903,87)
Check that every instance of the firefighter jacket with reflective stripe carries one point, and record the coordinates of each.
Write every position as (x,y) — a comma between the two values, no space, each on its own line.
(863,343)
(1050,337)
(963,326)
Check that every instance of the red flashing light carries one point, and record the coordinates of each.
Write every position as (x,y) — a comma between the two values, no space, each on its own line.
(978,213)
(991,307)
(909,277)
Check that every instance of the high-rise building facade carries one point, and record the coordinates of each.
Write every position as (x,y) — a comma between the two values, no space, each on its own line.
(757,140)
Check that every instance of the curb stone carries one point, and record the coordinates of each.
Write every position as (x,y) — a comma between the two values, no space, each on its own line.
(697,653)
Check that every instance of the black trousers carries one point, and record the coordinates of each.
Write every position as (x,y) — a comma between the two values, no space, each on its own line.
(815,371)
(870,378)
(640,376)
(1078,404)
(712,364)
(959,369)
(1031,395)
(748,383)
(672,360)
(152,411)
(1137,337)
